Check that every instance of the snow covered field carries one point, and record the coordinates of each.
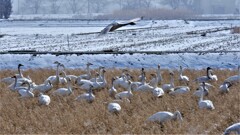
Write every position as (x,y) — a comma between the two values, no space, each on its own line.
(146,36)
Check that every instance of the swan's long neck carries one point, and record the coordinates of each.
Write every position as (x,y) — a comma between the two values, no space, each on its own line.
(129,89)
(209,75)
(88,70)
(177,115)
(57,72)
(19,71)
(181,71)
(202,91)
(104,79)
(159,76)
(172,81)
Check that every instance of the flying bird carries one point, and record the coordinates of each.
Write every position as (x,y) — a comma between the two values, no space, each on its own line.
(115,25)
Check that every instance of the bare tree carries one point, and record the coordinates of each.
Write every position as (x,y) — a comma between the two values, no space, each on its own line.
(73,4)
(54,5)
(97,5)
(172,3)
(32,5)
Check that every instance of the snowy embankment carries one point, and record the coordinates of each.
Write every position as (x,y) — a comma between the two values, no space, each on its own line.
(170,61)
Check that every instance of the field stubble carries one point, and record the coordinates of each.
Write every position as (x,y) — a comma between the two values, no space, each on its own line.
(64,115)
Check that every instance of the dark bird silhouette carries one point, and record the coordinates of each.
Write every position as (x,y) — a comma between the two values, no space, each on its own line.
(115,25)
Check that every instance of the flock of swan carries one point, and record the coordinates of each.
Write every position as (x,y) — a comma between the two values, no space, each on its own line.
(90,82)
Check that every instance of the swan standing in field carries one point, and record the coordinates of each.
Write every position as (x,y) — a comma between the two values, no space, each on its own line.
(44,99)
(10,80)
(205,104)
(199,91)
(114,107)
(26,92)
(125,94)
(183,78)
(157,92)
(100,77)
(224,88)
(64,91)
(144,87)
(15,85)
(44,87)
(142,76)
(55,79)
(164,116)
(235,128)
(112,91)
(121,82)
(96,85)
(205,78)
(88,75)
(169,87)
(89,97)
(235,78)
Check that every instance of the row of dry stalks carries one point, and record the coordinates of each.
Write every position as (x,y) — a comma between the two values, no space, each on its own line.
(64,115)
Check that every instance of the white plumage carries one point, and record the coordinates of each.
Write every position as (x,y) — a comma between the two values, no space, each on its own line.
(169,87)
(114,107)
(205,104)
(26,92)
(44,99)
(89,97)
(183,78)
(64,91)
(164,116)
(125,94)
(235,128)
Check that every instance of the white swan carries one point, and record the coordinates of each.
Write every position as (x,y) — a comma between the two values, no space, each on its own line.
(199,91)
(64,91)
(112,91)
(169,87)
(144,87)
(159,75)
(156,91)
(183,78)
(235,128)
(224,88)
(26,92)
(205,104)
(180,90)
(206,78)
(44,99)
(121,82)
(100,77)
(142,76)
(89,97)
(125,94)
(235,78)
(44,87)
(88,75)
(10,80)
(164,116)
(96,85)
(55,79)
(15,85)
(114,107)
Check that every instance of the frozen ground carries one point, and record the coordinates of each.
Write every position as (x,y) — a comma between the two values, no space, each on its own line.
(146,36)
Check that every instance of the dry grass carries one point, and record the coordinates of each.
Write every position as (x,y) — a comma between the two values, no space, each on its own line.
(64,115)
